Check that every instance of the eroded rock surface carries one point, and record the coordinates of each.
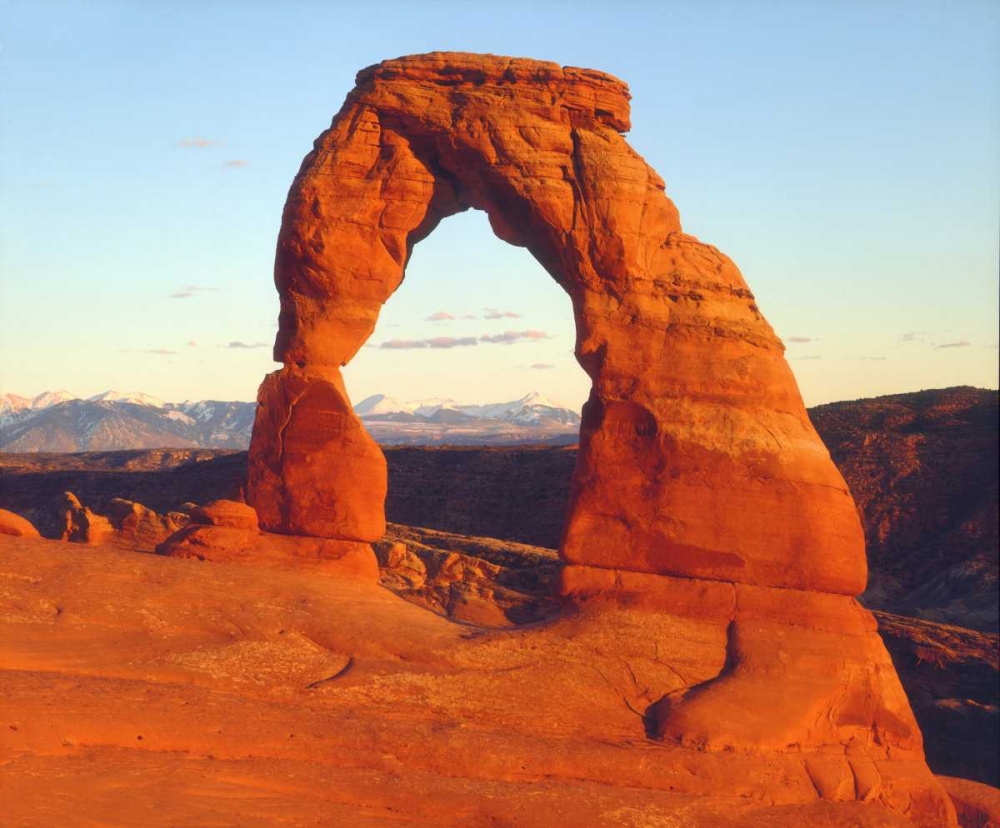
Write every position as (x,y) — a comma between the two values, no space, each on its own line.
(255,695)
(952,677)
(699,476)
(693,406)
(479,580)
(141,525)
(14,524)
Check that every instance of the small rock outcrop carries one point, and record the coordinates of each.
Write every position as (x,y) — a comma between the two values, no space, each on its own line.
(78,524)
(14,524)
(978,805)
(476,580)
(141,526)
(227,531)
(229,513)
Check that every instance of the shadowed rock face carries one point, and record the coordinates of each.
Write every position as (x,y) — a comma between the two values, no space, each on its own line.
(697,457)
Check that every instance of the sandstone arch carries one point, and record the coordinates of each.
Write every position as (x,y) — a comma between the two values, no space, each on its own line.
(701,489)
(697,457)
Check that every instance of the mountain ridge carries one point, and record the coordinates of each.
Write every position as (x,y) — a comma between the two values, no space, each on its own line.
(58,421)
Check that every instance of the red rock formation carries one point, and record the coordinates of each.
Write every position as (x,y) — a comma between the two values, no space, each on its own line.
(226,531)
(697,457)
(141,525)
(14,524)
(79,524)
(978,805)
(701,488)
(226,513)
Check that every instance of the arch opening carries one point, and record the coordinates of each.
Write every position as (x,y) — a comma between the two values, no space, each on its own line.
(474,351)
(474,320)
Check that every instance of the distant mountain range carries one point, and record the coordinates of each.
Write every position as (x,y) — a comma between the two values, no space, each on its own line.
(58,421)
(530,419)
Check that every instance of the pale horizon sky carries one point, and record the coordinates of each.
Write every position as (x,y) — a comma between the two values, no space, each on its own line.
(845,155)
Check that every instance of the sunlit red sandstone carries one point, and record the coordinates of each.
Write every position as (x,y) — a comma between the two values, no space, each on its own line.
(701,488)
(713,548)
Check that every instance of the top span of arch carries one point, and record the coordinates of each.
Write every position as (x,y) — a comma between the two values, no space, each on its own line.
(588,92)
(536,146)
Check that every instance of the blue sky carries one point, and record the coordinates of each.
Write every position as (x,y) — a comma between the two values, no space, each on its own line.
(845,155)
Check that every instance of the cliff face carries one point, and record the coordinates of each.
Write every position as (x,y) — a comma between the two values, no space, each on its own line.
(923,470)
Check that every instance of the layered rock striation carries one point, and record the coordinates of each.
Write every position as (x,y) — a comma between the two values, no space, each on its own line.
(697,457)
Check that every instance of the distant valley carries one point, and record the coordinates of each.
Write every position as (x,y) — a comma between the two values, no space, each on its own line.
(58,421)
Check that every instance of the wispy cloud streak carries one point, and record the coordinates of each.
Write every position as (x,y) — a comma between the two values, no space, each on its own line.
(508,337)
(199,143)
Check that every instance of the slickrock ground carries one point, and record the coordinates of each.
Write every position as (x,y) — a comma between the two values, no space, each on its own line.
(153,691)
(951,675)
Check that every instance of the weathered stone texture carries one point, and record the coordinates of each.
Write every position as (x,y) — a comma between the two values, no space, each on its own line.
(697,456)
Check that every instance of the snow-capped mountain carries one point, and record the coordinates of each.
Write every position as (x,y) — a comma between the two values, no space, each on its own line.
(51,398)
(380,404)
(136,397)
(532,409)
(532,418)
(58,421)
(16,409)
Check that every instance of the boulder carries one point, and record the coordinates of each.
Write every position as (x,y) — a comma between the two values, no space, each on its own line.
(978,805)
(14,524)
(75,523)
(228,513)
(140,525)
(240,545)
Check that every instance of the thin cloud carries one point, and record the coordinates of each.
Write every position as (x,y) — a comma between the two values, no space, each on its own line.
(960,344)
(199,143)
(238,344)
(153,351)
(493,313)
(192,343)
(188,291)
(508,337)
(236,163)
(913,336)
(433,342)
(813,356)
(469,316)
(799,340)
(542,366)
(439,316)
(873,358)
(451,341)
(504,338)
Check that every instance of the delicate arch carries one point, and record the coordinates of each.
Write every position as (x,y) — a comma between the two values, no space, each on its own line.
(697,457)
